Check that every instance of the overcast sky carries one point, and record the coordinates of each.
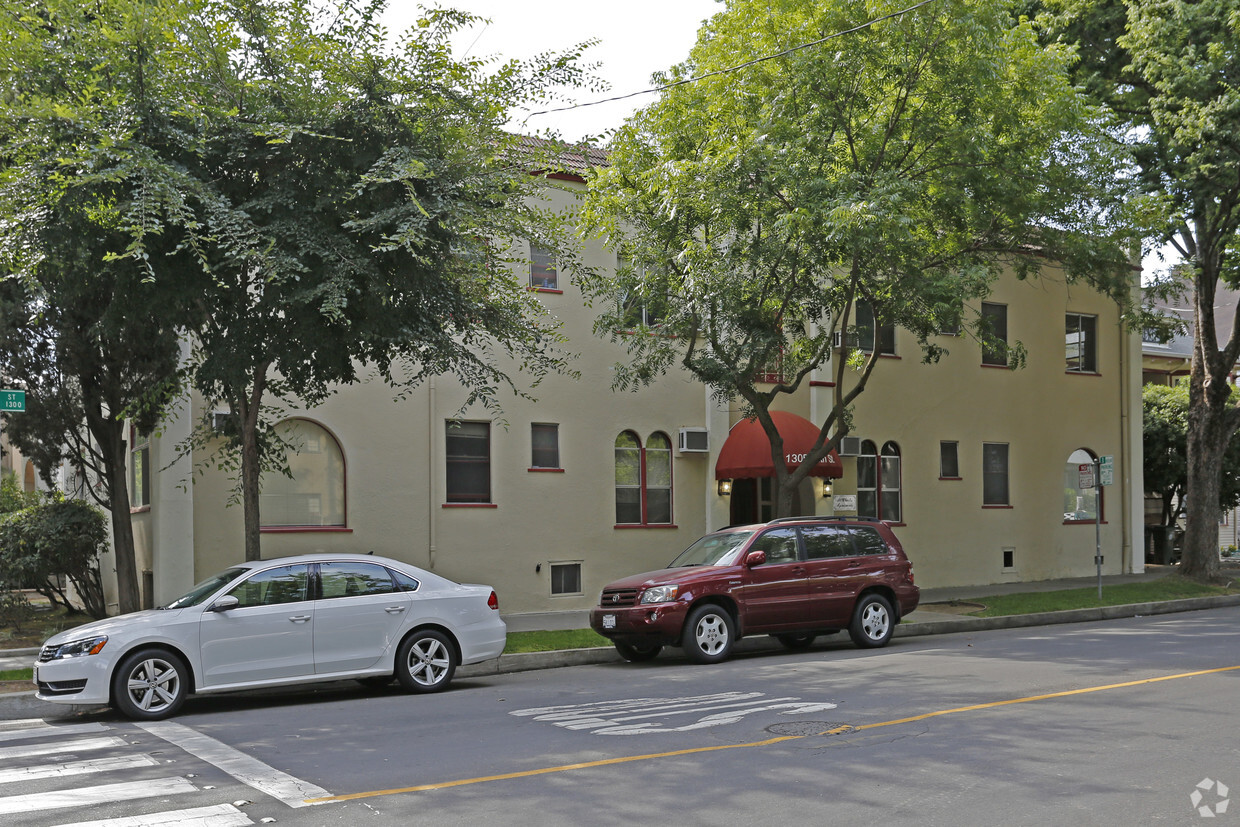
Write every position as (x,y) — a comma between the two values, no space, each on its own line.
(637,38)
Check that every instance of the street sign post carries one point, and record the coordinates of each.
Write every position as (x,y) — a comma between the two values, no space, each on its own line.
(12,401)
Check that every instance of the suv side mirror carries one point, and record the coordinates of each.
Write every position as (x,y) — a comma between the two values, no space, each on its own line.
(755,558)
(225,603)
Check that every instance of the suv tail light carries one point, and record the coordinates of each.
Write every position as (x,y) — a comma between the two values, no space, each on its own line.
(493,601)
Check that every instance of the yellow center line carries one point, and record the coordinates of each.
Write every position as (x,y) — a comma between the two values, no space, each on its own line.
(696,750)
(1066,694)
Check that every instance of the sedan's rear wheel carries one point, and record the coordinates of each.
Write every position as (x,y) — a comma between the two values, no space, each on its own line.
(708,635)
(636,653)
(426,661)
(150,684)
(872,622)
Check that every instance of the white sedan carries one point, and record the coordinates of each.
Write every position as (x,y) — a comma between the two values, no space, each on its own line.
(292,620)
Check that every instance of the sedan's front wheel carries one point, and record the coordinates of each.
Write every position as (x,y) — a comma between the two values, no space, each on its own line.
(426,661)
(709,634)
(150,684)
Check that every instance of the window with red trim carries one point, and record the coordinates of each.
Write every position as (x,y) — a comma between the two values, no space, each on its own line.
(314,494)
(643,479)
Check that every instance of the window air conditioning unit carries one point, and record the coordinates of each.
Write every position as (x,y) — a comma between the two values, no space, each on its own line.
(694,441)
(850,446)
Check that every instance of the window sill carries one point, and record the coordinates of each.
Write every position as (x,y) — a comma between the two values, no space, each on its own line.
(139,509)
(1082,373)
(997,367)
(555,290)
(536,470)
(998,506)
(470,505)
(645,525)
(305,529)
(950,479)
(1083,522)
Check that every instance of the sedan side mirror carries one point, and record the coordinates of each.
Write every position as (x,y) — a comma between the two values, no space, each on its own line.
(755,558)
(225,603)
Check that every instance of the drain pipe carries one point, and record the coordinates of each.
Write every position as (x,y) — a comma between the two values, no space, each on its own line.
(431,511)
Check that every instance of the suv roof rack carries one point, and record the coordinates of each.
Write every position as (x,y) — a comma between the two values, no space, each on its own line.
(823,518)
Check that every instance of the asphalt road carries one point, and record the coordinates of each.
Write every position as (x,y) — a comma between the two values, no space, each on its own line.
(1111,723)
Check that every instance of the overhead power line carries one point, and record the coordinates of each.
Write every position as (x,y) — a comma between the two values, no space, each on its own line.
(735,68)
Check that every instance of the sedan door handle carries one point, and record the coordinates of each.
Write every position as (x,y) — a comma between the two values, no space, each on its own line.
(394,610)
(299,618)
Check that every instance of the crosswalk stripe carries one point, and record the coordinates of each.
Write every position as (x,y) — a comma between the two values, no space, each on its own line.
(245,768)
(49,731)
(217,815)
(90,796)
(62,748)
(63,770)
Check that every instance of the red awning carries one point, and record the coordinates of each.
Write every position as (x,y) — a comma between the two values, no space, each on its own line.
(747,452)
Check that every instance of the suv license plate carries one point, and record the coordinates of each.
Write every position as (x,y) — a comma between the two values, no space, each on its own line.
(609,621)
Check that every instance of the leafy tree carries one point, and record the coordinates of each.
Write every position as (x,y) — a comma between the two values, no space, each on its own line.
(884,177)
(306,201)
(1167,72)
(1165,443)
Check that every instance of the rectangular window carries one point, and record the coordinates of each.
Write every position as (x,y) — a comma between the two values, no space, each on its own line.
(544,445)
(994,352)
(869,338)
(1080,336)
(468,453)
(566,578)
(542,268)
(139,469)
(995,474)
(949,460)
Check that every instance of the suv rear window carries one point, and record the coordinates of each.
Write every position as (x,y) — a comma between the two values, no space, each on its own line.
(822,541)
(869,541)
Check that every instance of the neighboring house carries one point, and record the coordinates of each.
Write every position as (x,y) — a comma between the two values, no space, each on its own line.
(1169,363)
(976,464)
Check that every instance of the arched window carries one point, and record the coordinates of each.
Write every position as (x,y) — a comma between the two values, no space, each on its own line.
(315,495)
(878,482)
(643,479)
(29,481)
(1079,504)
(890,504)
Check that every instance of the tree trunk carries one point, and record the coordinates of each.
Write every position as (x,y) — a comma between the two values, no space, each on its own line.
(112,442)
(1210,428)
(247,409)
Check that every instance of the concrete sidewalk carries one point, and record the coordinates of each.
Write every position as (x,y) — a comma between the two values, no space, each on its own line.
(929,619)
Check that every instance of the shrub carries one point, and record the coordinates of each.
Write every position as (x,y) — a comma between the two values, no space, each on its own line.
(56,537)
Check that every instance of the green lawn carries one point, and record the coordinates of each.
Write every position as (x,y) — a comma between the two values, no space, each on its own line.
(16,674)
(1168,588)
(551,641)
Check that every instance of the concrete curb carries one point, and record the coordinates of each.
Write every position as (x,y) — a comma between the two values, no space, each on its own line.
(25,705)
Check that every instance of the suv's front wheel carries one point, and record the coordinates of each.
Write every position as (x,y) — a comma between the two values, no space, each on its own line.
(708,635)
(872,622)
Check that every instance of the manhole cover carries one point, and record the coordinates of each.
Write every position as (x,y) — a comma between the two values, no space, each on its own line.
(809,728)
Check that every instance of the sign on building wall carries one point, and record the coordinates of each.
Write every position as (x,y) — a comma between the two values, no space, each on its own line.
(844,502)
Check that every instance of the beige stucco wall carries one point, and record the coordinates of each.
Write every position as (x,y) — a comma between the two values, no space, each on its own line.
(395,468)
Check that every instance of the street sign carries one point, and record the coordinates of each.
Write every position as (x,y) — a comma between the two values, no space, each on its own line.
(12,401)
(1107,466)
(1085,474)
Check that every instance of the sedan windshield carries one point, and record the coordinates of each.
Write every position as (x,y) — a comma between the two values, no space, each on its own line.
(207,588)
(712,550)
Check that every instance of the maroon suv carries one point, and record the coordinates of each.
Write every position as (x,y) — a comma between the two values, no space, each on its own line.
(794,578)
